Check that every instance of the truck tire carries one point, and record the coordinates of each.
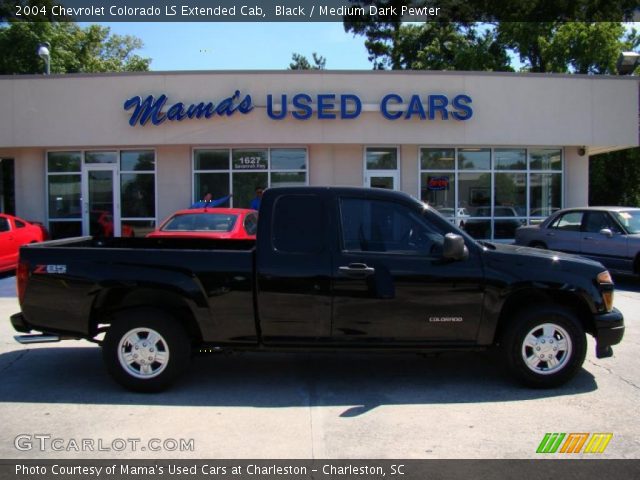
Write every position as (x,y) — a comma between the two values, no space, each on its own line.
(145,350)
(544,347)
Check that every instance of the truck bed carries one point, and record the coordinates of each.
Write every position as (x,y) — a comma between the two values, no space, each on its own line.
(75,279)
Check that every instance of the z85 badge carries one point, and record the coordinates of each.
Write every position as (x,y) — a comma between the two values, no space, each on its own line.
(51,269)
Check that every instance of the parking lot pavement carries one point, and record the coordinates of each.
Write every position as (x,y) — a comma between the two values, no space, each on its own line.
(313,405)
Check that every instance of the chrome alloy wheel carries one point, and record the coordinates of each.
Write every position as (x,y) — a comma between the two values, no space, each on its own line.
(143,353)
(546,349)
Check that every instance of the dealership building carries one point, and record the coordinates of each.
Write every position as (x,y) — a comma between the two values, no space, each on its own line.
(492,150)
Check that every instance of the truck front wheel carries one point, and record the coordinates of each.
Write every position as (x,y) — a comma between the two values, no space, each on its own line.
(145,350)
(545,347)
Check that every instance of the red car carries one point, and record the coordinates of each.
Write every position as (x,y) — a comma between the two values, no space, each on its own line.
(230,223)
(102,225)
(15,232)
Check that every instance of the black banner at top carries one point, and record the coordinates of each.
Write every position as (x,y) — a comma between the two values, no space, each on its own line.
(320,10)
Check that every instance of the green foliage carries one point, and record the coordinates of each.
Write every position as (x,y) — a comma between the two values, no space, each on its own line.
(73,49)
(576,47)
(614,178)
(300,62)
(445,46)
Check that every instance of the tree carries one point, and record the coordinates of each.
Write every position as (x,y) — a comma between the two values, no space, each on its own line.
(614,178)
(575,47)
(300,62)
(73,49)
(441,46)
(578,36)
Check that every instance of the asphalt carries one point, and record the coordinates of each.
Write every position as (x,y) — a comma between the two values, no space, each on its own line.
(312,405)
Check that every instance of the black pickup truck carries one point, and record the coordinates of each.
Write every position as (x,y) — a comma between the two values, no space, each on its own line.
(332,269)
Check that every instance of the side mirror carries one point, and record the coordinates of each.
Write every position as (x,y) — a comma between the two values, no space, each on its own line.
(454,247)
(607,232)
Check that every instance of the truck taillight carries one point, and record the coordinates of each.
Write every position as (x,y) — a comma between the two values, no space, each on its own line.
(22,276)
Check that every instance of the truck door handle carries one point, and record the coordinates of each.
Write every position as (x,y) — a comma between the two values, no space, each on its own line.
(357,270)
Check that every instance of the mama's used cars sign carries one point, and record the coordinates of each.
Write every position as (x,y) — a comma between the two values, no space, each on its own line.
(301,106)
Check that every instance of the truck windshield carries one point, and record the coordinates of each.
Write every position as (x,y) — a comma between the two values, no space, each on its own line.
(630,220)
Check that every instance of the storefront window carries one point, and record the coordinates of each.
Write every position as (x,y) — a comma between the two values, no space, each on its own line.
(217,184)
(100,157)
(523,186)
(240,172)
(510,159)
(136,174)
(64,196)
(137,192)
(439,191)
(545,159)
(211,160)
(474,158)
(288,159)
(137,161)
(437,159)
(58,162)
(511,193)
(545,194)
(382,158)
(250,160)
(288,179)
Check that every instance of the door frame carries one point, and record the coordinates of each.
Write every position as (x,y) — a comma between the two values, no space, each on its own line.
(102,167)
(393,173)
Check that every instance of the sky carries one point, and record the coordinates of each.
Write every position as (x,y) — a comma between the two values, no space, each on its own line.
(244,46)
(249,46)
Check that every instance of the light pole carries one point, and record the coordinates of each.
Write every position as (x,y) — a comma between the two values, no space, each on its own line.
(627,62)
(45,54)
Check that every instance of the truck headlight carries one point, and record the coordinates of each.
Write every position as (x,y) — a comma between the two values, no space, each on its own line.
(604,278)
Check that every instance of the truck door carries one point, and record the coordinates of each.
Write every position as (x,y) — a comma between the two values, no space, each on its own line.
(390,282)
(294,270)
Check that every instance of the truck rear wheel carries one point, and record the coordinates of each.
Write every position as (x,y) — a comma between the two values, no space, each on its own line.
(145,350)
(544,347)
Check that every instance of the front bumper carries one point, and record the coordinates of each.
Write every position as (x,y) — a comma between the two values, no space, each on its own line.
(609,331)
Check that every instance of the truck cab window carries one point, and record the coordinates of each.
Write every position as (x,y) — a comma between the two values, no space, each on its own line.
(298,224)
(379,226)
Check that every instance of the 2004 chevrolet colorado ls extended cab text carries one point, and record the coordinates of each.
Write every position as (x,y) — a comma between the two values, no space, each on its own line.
(332,269)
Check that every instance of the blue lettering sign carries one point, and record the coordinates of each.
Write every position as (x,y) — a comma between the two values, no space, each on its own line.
(384,106)
(438,103)
(463,110)
(283,107)
(328,106)
(415,107)
(145,110)
(325,106)
(347,99)
(302,102)
(151,109)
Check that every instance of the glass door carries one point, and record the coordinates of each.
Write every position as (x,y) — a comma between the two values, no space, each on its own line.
(381,168)
(100,201)
(382,180)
